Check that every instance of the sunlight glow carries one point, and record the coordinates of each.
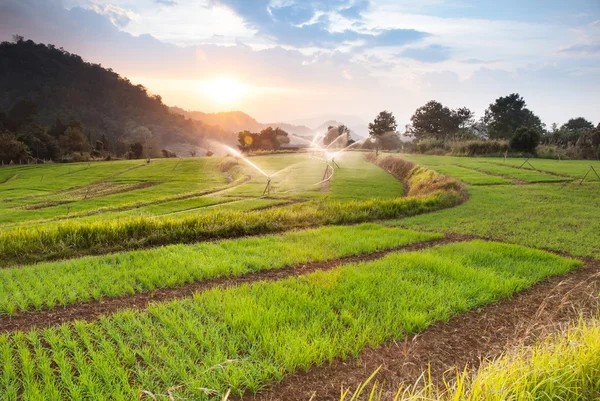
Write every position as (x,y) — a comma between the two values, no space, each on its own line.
(224,90)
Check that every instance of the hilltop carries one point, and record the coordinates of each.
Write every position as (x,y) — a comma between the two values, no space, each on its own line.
(64,86)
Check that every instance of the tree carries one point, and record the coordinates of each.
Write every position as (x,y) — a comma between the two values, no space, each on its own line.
(40,143)
(525,139)
(120,148)
(340,136)
(57,129)
(508,113)
(73,141)
(12,150)
(20,115)
(577,124)
(166,153)
(247,141)
(193,152)
(434,120)
(384,122)
(136,150)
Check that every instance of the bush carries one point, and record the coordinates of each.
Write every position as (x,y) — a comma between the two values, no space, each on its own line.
(525,140)
(419,181)
(431,146)
(479,147)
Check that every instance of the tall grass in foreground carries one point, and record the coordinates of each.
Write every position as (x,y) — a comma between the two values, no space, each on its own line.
(246,337)
(563,367)
(72,238)
(51,284)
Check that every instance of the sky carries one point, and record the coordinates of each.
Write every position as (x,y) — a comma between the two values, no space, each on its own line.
(305,60)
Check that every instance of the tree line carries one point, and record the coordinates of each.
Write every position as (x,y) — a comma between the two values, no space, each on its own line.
(268,139)
(23,140)
(507,125)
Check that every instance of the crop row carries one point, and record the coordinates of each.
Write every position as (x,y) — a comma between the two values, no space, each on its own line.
(47,285)
(74,238)
(246,337)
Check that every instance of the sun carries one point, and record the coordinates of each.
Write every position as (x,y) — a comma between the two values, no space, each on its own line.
(224,90)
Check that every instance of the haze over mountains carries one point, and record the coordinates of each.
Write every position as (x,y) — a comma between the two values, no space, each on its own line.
(64,86)
(237,121)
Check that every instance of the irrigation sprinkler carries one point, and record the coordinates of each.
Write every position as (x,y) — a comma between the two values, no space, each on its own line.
(268,188)
(586,174)
(527,162)
(334,163)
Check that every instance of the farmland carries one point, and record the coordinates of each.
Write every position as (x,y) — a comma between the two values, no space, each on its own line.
(383,250)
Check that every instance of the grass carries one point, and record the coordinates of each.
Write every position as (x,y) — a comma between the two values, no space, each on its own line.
(44,192)
(48,285)
(572,168)
(565,367)
(471,177)
(493,166)
(555,217)
(246,337)
(116,191)
(71,238)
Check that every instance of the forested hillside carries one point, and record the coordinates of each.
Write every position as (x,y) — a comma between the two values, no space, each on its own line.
(53,89)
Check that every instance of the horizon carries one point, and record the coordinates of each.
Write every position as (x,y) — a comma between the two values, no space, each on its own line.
(297,61)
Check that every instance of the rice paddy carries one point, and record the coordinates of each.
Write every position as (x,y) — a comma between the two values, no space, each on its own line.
(85,233)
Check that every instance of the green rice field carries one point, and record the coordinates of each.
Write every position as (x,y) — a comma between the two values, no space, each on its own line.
(430,240)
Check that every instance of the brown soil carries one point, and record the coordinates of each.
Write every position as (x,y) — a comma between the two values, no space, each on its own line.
(92,310)
(465,340)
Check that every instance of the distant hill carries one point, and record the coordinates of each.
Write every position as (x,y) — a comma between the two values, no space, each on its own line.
(62,85)
(237,121)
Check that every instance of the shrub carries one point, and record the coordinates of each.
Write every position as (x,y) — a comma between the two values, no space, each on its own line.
(418,180)
(525,140)
(479,147)
(430,145)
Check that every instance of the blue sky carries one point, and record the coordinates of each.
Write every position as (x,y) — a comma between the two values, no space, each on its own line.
(298,59)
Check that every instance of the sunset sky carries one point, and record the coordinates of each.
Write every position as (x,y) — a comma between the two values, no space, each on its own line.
(301,60)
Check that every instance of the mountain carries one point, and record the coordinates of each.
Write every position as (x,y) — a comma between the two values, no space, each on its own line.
(64,86)
(237,121)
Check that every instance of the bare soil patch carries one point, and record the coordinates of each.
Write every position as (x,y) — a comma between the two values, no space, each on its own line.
(92,310)
(465,340)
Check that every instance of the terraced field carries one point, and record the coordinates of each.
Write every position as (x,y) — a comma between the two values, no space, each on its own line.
(181,280)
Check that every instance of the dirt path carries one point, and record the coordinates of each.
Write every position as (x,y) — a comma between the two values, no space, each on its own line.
(464,340)
(92,310)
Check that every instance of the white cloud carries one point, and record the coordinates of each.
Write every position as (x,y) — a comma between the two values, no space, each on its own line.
(120,17)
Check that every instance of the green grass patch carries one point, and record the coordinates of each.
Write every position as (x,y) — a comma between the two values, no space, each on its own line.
(560,218)
(69,238)
(47,285)
(571,168)
(76,193)
(493,166)
(513,172)
(246,337)
(470,177)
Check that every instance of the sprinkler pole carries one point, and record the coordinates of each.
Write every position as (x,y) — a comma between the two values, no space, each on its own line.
(268,188)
